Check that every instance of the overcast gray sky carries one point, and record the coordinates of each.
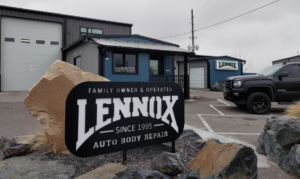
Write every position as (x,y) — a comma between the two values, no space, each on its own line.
(268,34)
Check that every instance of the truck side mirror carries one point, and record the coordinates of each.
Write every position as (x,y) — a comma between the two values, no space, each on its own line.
(281,75)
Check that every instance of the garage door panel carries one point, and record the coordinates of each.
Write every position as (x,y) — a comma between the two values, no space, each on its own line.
(197,77)
(17,57)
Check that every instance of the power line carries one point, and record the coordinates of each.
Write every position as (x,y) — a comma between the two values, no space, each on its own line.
(222,21)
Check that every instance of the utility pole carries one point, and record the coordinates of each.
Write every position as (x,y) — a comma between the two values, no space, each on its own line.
(193,45)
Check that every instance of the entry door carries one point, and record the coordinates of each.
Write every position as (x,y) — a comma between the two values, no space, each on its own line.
(197,77)
(288,88)
(28,48)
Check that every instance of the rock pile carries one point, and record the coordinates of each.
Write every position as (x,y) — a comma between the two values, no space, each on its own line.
(280,142)
(46,100)
(217,87)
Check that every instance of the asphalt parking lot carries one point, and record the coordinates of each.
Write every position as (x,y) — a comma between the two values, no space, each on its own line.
(211,113)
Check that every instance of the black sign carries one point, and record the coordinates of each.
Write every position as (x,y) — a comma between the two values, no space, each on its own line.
(105,117)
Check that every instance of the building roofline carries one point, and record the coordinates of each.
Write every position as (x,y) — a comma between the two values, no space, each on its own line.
(214,57)
(286,58)
(136,36)
(62,15)
(86,38)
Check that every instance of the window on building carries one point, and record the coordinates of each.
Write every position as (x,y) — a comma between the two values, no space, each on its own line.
(27,41)
(77,61)
(7,39)
(54,43)
(125,63)
(156,65)
(40,41)
(89,31)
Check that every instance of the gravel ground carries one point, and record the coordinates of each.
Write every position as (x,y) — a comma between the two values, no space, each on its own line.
(139,158)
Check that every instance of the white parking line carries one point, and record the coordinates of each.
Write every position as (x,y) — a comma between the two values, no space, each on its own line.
(227,133)
(216,110)
(235,115)
(205,123)
(224,102)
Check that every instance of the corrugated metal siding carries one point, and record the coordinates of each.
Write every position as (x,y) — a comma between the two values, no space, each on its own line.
(220,75)
(73,28)
(27,15)
(169,64)
(134,40)
(143,76)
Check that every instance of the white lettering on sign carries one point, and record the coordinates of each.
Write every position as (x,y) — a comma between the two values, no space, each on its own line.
(124,107)
(124,69)
(32,67)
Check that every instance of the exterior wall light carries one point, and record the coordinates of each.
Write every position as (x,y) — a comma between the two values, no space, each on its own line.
(106,57)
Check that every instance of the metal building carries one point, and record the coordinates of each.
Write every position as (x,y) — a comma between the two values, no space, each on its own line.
(289,59)
(205,71)
(32,40)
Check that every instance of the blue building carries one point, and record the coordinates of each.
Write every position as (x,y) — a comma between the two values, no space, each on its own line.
(129,58)
(205,71)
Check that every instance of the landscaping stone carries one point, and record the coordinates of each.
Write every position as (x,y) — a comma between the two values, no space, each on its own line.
(193,175)
(228,160)
(275,152)
(15,151)
(190,133)
(169,163)
(108,171)
(218,87)
(291,162)
(46,100)
(26,139)
(5,142)
(260,147)
(148,174)
(288,133)
(272,123)
(30,167)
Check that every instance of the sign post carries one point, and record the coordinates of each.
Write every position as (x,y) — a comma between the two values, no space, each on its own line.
(106,117)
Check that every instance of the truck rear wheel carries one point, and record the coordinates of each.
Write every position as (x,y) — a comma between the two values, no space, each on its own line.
(258,103)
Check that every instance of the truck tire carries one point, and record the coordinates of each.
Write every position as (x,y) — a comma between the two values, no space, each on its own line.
(258,103)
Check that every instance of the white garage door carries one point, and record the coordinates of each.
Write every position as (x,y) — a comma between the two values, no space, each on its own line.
(197,77)
(28,48)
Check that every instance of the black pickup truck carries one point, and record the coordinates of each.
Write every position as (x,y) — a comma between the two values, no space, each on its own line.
(277,83)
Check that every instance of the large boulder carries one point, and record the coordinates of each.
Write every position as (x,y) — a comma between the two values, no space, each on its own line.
(148,174)
(47,99)
(108,171)
(260,147)
(288,132)
(272,123)
(230,160)
(275,152)
(291,162)
(169,163)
